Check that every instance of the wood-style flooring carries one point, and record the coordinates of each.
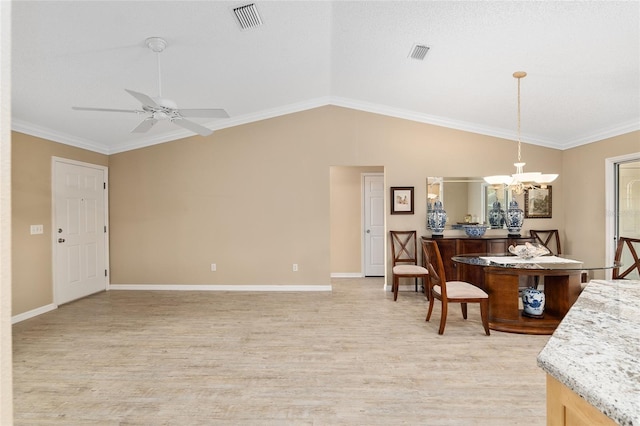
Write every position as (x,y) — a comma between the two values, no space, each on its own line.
(347,357)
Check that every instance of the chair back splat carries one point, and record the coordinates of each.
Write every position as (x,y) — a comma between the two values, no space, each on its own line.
(550,238)
(627,253)
(405,260)
(451,291)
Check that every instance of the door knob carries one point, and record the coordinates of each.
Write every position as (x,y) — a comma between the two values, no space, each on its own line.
(61,240)
(368,231)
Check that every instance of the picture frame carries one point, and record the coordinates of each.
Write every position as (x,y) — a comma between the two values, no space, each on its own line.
(538,203)
(402,200)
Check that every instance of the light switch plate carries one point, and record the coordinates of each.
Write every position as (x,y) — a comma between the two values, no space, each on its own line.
(37,229)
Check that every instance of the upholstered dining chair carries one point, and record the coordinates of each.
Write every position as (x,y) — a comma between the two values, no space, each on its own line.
(627,247)
(451,291)
(405,260)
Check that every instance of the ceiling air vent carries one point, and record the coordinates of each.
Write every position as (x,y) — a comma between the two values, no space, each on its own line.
(247,16)
(418,52)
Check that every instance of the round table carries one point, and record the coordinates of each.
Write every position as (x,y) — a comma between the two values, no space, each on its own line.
(502,273)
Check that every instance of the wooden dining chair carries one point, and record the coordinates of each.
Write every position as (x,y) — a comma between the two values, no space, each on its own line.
(550,238)
(627,247)
(405,260)
(451,291)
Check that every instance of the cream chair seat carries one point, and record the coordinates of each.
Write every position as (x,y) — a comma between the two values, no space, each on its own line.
(405,260)
(451,291)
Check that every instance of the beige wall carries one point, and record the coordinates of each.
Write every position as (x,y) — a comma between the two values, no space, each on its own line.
(31,203)
(258,194)
(256,198)
(346,218)
(584,183)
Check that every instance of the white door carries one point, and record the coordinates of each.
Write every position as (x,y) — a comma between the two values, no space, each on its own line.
(373,196)
(79,229)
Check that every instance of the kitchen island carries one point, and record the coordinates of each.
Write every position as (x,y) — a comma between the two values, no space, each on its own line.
(592,359)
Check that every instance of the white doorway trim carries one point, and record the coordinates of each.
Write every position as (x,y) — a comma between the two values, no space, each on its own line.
(610,204)
(54,236)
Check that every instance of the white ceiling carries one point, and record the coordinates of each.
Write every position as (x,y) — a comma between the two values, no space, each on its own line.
(582,60)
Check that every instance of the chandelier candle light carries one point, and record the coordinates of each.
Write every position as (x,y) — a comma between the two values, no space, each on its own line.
(519,181)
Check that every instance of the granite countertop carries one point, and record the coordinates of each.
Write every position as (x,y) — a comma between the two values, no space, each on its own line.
(595,351)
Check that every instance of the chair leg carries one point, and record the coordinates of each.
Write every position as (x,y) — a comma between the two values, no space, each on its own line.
(443,318)
(463,306)
(395,288)
(484,308)
(416,283)
(430,308)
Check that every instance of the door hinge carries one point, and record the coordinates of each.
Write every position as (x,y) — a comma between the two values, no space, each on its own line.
(105,229)
(105,272)
(104,185)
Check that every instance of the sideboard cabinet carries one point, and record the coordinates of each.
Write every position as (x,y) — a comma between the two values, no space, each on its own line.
(453,246)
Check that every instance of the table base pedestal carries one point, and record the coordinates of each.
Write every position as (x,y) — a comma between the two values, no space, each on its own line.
(561,288)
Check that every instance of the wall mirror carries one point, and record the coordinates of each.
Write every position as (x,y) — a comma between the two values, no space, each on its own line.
(467,200)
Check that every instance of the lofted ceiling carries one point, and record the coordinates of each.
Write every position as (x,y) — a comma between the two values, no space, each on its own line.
(582,60)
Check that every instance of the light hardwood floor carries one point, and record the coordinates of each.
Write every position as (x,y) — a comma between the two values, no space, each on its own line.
(347,357)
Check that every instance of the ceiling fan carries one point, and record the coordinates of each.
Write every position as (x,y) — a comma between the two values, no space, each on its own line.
(159,108)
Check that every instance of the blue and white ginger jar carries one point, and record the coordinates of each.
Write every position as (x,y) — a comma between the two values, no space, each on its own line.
(496,216)
(533,301)
(437,218)
(514,218)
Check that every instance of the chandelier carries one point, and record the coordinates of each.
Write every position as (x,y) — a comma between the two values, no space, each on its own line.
(520,181)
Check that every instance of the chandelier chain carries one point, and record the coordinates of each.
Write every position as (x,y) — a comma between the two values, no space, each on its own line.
(521,181)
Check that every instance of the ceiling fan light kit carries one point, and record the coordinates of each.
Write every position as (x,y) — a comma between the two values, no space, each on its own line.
(159,108)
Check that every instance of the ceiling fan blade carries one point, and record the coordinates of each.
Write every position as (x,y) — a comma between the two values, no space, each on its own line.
(204,112)
(194,127)
(107,110)
(145,125)
(144,99)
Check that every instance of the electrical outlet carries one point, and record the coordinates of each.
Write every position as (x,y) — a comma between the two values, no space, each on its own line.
(213,267)
(37,229)
(295,267)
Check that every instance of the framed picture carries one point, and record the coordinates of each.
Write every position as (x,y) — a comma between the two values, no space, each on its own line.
(537,203)
(402,200)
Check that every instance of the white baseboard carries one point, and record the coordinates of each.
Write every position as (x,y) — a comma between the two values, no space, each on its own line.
(214,287)
(347,275)
(33,313)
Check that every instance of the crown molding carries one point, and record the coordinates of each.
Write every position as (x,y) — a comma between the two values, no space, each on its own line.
(55,136)
(43,132)
(441,121)
(224,124)
(607,133)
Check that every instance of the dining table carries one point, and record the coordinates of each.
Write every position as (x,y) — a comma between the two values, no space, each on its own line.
(561,278)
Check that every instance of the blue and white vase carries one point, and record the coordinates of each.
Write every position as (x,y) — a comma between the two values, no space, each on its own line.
(496,216)
(437,218)
(533,301)
(514,218)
